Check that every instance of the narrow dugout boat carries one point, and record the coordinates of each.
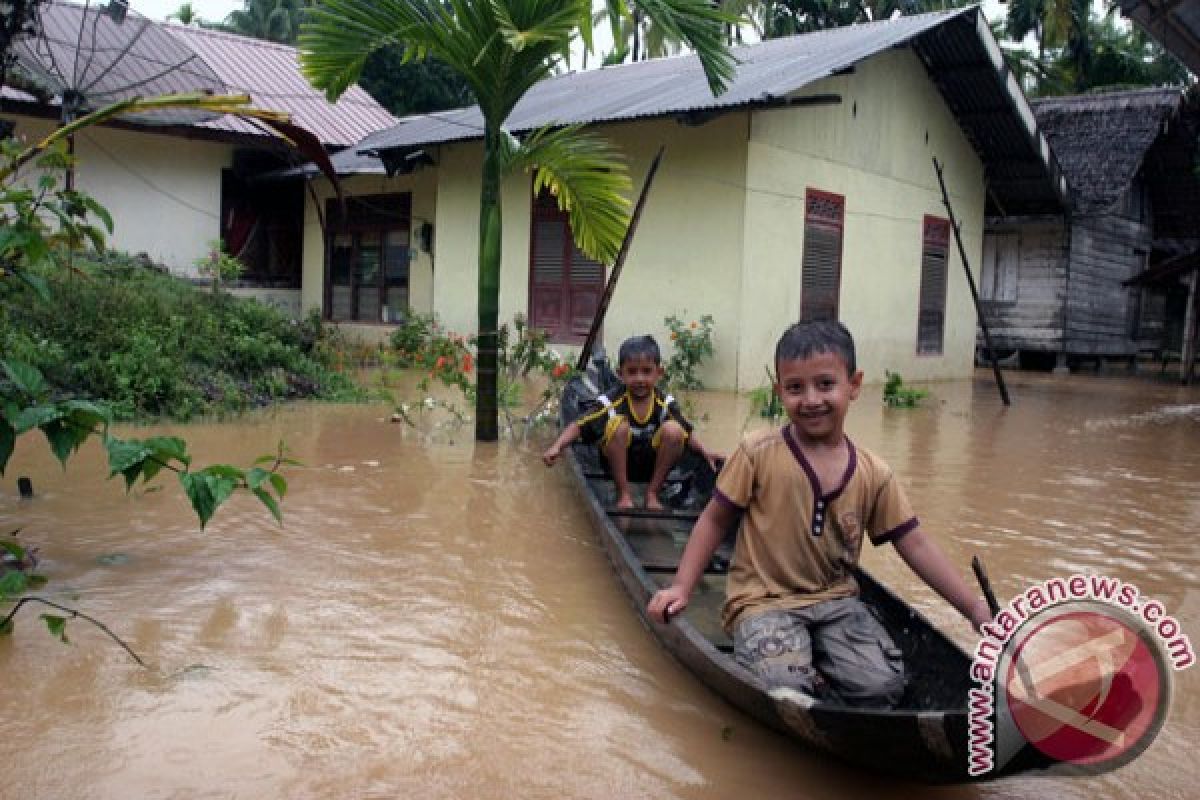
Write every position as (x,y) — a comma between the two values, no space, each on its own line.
(924,738)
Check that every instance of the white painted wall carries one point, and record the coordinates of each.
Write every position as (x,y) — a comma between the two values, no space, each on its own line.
(164,192)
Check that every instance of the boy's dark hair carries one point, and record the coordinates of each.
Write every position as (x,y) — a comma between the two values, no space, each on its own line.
(639,347)
(807,339)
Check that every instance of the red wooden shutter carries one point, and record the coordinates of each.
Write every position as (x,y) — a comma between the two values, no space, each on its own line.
(931,314)
(821,262)
(565,286)
(548,268)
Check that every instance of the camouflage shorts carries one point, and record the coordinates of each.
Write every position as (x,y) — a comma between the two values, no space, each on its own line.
(836,650)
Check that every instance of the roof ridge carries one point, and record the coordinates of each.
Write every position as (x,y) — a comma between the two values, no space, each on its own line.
(220,34)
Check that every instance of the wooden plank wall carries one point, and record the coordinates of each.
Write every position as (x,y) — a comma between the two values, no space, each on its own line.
(1106,249)
(1031,319)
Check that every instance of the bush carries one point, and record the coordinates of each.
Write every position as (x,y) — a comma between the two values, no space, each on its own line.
(147,343)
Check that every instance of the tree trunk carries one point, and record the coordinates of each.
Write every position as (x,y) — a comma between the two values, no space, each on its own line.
(486,412)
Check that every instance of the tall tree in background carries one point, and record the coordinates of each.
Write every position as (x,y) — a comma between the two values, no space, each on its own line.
(502,48)
(271,20)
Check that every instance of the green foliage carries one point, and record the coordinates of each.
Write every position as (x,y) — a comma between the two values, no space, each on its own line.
(693,346)
(147,343)
(219,265)
(897,395)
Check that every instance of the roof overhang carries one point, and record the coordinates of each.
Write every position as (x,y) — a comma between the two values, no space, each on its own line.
(1175,24)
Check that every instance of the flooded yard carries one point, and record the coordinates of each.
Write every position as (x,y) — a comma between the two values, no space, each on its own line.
(437,620)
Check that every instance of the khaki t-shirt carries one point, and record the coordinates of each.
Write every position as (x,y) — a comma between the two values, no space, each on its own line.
(798,540)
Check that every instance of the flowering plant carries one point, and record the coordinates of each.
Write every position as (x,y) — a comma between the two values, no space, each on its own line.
(693,345)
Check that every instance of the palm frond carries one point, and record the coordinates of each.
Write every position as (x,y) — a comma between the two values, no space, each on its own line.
(589,179)
(701,26)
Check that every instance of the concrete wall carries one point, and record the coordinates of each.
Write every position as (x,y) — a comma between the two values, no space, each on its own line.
(875,148)
(164,192)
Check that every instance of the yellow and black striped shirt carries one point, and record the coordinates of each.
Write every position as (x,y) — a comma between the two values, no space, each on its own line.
(600,422)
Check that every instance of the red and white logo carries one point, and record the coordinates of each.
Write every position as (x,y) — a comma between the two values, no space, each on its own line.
(1086,685)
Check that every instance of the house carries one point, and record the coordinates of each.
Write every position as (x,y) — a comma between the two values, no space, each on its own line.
(175,185)
(1173,24)
(805,190)
(1057,288)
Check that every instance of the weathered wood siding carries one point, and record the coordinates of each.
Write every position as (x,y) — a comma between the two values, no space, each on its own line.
(1106,249)
(1031,317)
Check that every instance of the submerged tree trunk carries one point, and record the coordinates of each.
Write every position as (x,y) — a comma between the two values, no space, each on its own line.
(486,412)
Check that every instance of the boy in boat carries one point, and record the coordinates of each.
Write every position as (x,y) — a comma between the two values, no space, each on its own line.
(806,496)
(641,433)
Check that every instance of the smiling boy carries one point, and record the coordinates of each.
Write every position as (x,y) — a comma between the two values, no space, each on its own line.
(641,433)
(807,495)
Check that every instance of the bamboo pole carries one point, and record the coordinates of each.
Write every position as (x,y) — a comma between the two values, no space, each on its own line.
(590,342)
(1187,356)
(962,254)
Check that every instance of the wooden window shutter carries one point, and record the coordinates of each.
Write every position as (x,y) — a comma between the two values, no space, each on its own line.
(821,262)
(931,314)
(565,286)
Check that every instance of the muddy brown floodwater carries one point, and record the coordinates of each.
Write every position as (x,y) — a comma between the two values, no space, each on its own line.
(436,620)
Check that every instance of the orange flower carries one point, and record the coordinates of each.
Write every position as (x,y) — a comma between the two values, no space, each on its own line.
(559,370)
(468,362)
(441,362)
(674,336)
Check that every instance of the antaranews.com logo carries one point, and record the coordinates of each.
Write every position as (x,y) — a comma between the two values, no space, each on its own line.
(1080,668)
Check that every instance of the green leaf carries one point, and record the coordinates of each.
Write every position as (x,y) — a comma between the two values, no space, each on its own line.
(280,483)
(64,439)
(25,377)
(168,448)
(35,417)
(197,490)
(37,283)
(56,625)
(270,503)
(13,549)
(12,583)
(124,454)
(36,581)
(255,476)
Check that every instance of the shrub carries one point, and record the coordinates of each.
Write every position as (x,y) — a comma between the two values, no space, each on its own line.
(693,346)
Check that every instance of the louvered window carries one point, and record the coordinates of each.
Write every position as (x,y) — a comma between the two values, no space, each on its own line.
(564,285)
(821,262)
(931,315)
(366,276)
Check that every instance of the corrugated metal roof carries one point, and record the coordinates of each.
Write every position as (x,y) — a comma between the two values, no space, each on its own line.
(956,47)
(270,74)
(83,48)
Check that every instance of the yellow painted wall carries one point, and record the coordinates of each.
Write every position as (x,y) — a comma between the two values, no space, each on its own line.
(423,276)
(875,149)
(685,255)
(164,192)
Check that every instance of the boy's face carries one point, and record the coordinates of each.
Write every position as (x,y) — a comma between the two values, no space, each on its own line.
(816,394)
(639,374)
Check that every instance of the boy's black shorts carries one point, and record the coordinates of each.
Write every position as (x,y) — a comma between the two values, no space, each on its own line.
(640,461)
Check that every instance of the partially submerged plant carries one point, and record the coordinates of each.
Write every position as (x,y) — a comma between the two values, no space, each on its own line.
(897,395)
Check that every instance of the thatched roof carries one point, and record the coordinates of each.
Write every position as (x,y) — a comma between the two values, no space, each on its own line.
(1102,139)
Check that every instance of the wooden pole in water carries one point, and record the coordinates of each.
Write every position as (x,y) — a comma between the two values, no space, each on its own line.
(962,254)
(1187,353)
(590,342)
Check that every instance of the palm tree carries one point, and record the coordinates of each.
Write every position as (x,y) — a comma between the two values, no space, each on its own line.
(272,20)
(502,48)
(186,15)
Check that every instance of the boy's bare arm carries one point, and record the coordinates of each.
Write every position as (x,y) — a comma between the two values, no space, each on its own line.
(706,535)
(712,457)
(927,560)
(569,434)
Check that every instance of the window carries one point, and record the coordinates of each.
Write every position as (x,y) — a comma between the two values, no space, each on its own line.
(366,269)
(565,286)
(821,261)
(998,275)
(931,313)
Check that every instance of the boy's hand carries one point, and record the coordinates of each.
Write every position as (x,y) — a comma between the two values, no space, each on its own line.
(666,603)
(551,455)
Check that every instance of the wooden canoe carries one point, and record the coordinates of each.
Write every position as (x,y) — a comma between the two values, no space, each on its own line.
(924,738)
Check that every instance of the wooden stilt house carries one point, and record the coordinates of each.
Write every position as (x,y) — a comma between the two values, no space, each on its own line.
(1084,286)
